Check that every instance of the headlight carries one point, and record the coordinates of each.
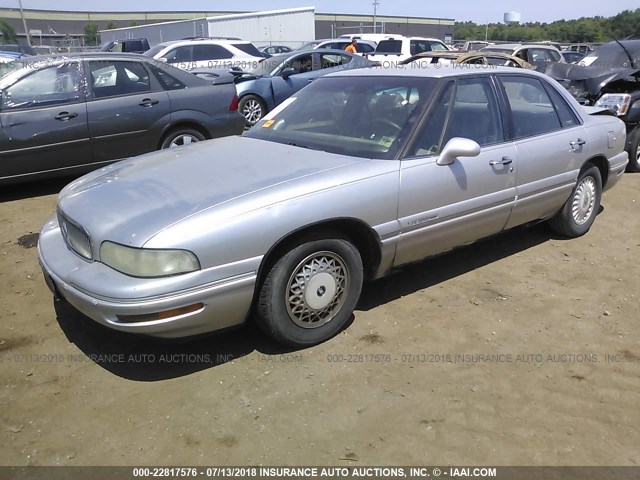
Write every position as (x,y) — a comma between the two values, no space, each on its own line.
(618,102)
(141,262)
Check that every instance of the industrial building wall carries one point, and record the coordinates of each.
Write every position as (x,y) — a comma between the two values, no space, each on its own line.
(329,26)
(282,27)
(158,32)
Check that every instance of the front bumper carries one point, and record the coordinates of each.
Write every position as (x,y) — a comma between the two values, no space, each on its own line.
(225,303)
(617,166)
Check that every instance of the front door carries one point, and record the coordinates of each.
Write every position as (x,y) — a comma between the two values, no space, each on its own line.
(44,122)
(443,206)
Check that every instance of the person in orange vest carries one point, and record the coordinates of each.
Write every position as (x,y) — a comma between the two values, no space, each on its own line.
(351,48)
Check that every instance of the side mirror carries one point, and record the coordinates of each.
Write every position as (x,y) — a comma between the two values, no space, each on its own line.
(458,147)
(287,72)
(162,59)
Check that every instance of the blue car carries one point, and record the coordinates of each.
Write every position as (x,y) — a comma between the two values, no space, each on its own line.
(275,79)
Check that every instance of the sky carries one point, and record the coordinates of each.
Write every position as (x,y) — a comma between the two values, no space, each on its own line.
(460,10)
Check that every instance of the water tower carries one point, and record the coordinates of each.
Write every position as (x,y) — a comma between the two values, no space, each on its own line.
(512,17)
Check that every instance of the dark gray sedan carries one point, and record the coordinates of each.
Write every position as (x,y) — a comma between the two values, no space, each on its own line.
(66,115)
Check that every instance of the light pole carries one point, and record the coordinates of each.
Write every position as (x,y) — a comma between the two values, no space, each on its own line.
(375,9)
(24,23)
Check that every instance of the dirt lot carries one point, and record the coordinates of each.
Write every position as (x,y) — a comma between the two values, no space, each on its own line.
(410,381)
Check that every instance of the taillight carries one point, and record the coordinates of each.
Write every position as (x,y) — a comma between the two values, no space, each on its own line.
(234,104)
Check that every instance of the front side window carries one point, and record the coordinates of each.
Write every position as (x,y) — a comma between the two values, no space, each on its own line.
(369,117)
(110,78)
(438,46)
(179,55)
(532,111)
(419,46)
(428,141)
(475,113)
(50,86)
(302,64)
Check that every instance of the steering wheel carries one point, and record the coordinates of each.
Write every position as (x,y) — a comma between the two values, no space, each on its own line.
(387,122)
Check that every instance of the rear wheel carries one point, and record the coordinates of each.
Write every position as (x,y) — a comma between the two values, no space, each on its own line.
(634,150)
(252,108)
(580,210)
(311,292)
(180,137)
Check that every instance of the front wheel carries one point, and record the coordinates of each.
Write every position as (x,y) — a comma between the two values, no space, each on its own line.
(181,137)
(252,108)
(580,210)
(311,292)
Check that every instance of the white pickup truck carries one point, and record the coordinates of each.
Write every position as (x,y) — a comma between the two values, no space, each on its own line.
(392,51)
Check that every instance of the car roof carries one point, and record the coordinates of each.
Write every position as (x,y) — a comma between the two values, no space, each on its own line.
(203,40)
(435,71)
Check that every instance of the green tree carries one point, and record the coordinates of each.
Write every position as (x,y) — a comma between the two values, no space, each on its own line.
(111,25)
(91,35)
(8,33)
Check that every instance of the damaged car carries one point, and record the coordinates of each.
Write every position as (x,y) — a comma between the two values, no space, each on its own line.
(608,78)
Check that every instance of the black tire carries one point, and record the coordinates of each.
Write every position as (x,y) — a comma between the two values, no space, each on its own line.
(252,109)
(580,210)
(633,149)
(179,136)
(339,275)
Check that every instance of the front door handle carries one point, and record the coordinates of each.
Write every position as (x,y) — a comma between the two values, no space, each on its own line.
(64,116)
(147,102)
(310,80)
(504,161)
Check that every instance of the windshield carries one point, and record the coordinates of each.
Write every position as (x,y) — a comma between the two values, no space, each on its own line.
(368,117)
(9,65)
(153,51)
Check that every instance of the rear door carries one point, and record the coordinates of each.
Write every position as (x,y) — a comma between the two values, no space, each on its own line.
(127,109)
(44,122)
(551,146)
(443,206)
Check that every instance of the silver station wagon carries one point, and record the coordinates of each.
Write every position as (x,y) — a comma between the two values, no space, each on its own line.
(358,173)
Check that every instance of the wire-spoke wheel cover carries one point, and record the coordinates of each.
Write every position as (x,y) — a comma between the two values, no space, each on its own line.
(584,200)
(317,289)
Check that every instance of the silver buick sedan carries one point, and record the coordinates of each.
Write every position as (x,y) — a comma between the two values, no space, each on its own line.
(358,173)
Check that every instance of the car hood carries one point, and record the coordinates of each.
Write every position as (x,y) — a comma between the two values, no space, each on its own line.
(583,80)
(130,201)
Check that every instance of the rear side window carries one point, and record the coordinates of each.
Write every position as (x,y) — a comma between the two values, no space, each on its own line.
(248,48)
(110,78)
(210,52)
(168,82)
(389,46)
(532,111)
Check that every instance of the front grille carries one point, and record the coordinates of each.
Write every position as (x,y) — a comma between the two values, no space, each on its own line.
(77,239)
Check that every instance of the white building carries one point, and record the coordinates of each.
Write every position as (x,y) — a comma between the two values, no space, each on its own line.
(289,27)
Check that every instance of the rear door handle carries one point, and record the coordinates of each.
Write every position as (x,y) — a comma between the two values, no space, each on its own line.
(578,143)
(64,116)
(504,161)
(147,102)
